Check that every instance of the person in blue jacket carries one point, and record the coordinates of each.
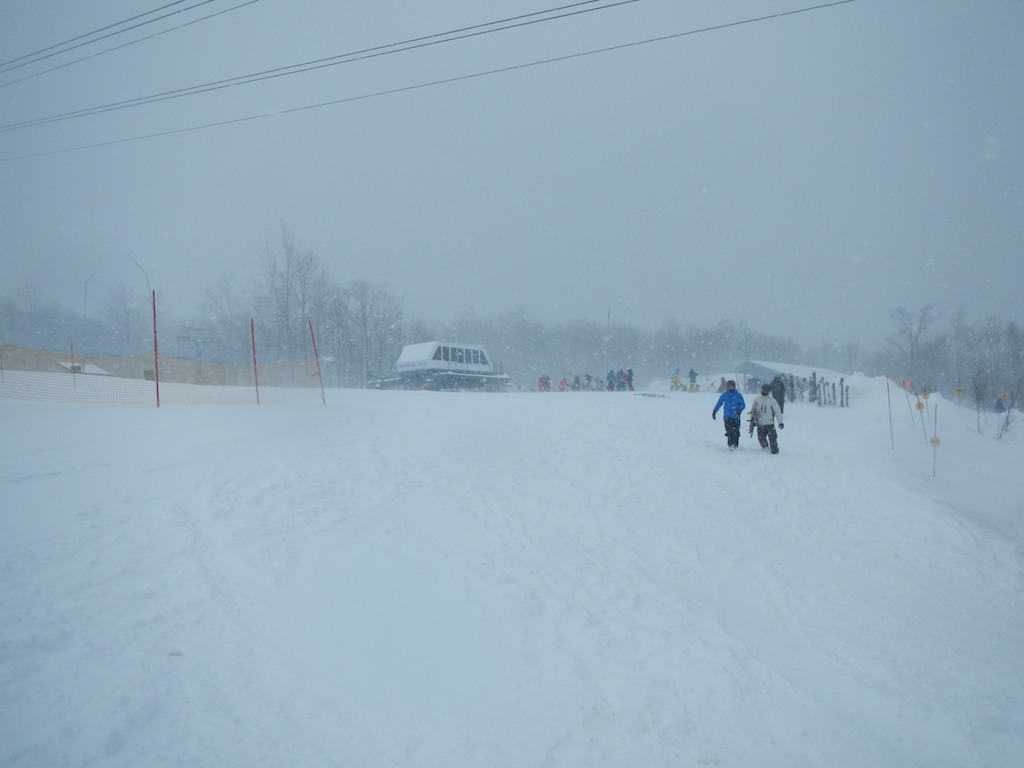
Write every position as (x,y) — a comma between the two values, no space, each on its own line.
(732,405)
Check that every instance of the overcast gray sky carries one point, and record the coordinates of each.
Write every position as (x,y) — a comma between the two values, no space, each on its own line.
(805,173)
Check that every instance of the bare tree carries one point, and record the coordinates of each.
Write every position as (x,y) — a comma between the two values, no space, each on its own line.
(333,329)
(960,338)
(851,355)
(124,316)
(980,392)
(295,289)
(222,332)
(906,340)
(415,331)
(1015,365)
(1012,395)
(990,348)
(375,328)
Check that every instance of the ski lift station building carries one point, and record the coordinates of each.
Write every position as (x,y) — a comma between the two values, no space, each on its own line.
(446,365)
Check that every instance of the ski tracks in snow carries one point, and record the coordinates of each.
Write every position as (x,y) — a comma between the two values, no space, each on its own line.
(434,579)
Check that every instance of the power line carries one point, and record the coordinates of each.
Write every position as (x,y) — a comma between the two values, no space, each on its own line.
(346,58)
(88,34)
(556,59)
(126,45)
(67,46)
(331,61)
(445,81)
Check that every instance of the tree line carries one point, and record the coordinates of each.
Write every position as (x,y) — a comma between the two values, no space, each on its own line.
(361,328)
(982,363)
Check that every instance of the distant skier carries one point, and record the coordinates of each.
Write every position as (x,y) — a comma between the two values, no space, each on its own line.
(764,412)
(732,404)
(778,387)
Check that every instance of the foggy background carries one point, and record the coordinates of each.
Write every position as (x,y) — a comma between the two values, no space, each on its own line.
(803,174)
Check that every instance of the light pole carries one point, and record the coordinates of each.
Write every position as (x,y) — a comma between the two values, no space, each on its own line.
(148,288)
(85,294)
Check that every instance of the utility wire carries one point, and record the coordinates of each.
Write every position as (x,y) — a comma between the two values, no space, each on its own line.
(89,34)
(126,45)
(432,83)
(67,45)
(345,58)
(567,57)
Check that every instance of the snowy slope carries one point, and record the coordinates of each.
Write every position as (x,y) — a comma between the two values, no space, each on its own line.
(577,579)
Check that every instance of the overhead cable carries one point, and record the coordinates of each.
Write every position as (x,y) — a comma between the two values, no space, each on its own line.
(514,22)
(79,42)
(445,81)
(126,45)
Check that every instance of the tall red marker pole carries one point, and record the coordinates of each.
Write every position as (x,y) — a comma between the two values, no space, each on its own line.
(316,357)
(255,375)
(156,356)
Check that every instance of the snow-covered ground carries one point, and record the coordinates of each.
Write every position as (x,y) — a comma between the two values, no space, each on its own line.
(580,579)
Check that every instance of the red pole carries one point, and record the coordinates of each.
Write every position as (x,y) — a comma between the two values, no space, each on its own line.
(255,375)
(316,357)
(156,356)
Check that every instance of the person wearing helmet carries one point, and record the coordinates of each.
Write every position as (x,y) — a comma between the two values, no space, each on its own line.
(732,404)
(764,410)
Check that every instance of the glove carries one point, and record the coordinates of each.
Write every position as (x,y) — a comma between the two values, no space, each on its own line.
(712,415)
(781,425)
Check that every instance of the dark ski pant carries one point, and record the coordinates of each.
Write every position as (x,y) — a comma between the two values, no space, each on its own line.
(767,436)
(732,431)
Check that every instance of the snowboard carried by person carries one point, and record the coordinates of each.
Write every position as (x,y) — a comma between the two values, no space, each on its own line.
(763,413)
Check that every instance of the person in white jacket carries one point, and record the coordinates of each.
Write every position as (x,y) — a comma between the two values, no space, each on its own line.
(764,410)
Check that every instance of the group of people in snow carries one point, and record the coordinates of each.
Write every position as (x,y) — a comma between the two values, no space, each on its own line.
(763,413)
(677,381)
(615,381)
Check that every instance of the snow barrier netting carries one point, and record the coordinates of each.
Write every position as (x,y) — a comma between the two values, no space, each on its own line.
(29,374)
